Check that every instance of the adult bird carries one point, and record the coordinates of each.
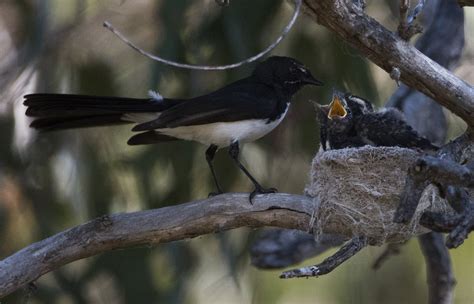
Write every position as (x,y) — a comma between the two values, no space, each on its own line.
(240,112)
(351,121)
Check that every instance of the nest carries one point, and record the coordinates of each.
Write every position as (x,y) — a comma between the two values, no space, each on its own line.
(359,190)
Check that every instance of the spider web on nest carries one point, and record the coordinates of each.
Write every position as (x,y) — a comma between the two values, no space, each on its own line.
(359,190)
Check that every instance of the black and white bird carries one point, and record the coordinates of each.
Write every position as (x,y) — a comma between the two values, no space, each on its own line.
(350,121)
(240,112)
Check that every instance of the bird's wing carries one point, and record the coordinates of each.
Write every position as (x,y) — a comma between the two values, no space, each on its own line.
(389,128)
(239,101)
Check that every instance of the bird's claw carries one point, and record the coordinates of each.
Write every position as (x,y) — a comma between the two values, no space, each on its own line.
(261,190)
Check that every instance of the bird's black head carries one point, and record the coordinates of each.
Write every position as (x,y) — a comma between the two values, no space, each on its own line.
(286,73)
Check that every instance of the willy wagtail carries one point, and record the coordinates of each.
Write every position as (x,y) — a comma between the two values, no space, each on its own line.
(351,121)
(240,112)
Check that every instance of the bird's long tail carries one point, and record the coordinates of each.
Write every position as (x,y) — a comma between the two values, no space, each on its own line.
(63,111)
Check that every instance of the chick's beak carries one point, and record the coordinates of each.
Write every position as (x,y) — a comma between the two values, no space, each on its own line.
(336,108)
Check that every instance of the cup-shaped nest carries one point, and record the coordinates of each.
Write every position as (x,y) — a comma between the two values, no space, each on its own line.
(359,190)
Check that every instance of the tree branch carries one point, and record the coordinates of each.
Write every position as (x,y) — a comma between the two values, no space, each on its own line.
(389,51)
(438,264)
(152,227)
(347,251)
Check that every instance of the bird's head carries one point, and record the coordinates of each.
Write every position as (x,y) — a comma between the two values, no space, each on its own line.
(338,109)
(339,114)
(345,105)
(286,73)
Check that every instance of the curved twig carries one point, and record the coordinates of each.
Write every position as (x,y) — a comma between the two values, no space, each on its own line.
(207,67)
(153,227)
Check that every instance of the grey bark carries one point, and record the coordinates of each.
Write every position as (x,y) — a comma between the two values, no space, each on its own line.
(389,51)
(153,227)
(438,264)
(443,42)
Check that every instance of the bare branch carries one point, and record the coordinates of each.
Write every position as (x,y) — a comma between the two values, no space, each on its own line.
(387,50)
(407,28)
(153,227)
(343,254)
(404,6)
(438,264)
(458,225)
(429,169)
(443,171)
(443,23)
(207,67)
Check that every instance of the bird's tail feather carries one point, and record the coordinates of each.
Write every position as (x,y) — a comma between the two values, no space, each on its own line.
(63,111)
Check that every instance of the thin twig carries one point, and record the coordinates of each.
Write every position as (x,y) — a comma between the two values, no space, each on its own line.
(404,6)
(343,254)
(207,67)
(407,28)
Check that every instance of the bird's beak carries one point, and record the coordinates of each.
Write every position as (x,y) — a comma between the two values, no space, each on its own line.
(336,109)
(309,79)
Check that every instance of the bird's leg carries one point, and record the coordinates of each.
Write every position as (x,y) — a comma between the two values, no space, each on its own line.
(234,154)
(210,153)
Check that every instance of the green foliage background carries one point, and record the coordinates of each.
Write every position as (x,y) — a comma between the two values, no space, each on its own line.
(50,182)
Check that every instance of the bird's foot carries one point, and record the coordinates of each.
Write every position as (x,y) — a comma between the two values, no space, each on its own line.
(261,190)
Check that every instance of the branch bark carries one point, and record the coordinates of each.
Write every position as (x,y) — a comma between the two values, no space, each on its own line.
(389,51)
(439,271)
(152,227)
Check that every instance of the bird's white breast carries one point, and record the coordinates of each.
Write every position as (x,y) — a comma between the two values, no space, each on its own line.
(222,134)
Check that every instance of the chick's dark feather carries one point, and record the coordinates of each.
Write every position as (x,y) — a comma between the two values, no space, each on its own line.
(363,126)
(389,128)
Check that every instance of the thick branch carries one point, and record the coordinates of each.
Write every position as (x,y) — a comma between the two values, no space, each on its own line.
(153,227)
(389,51)
(443,171)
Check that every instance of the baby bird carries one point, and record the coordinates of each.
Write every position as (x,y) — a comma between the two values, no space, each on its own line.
(350,121)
